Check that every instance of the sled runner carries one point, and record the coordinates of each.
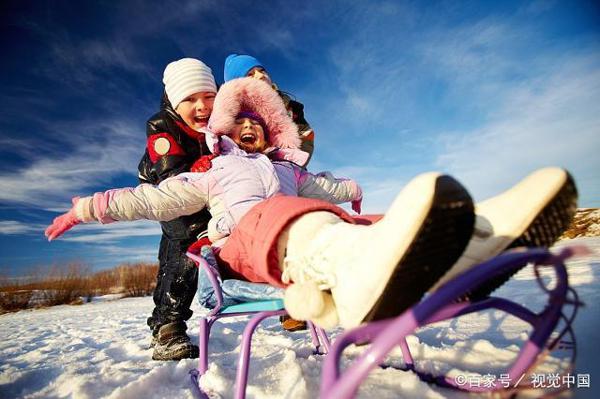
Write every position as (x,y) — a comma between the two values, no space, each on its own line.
(383,336)
(255,306)
(442,305)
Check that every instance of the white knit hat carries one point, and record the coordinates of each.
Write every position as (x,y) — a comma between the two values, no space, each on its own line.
(187,76)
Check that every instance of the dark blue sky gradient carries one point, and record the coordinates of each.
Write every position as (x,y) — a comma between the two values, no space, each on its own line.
(487,91)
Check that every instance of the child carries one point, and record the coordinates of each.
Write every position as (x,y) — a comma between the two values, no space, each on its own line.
(173,146)
(343,273)
(239,65)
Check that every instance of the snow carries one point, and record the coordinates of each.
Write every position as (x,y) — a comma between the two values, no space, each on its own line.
(100,349)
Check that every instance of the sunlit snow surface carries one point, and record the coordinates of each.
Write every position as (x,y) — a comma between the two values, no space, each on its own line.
(101,350)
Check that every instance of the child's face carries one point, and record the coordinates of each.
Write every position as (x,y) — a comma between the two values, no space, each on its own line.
(249,135)
(195,109)
(260,74)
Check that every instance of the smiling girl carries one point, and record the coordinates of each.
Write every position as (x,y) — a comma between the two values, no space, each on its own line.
(242,65)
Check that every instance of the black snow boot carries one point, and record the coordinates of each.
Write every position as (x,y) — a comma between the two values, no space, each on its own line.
(172,343)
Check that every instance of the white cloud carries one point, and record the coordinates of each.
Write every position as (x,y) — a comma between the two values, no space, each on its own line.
(113,232)
(93,233)
(102,255)
(467,53)
(84,60)
(520,102)
(93,153)
(550,120)
(113,244)
(114,255)
(380,184)
(538,7)
(14,227)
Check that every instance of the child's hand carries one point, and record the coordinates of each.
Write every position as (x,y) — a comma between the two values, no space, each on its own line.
(63,223)
(357,205)
(197,245)
(203,163)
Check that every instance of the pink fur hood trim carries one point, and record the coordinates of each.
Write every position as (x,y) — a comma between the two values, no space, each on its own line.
(249,94)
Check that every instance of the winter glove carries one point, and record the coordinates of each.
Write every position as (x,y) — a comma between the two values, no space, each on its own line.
(203,163)
(63,223)
(196,246)
(357,205)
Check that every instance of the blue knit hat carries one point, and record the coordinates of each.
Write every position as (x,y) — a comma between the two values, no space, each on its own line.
(238,65)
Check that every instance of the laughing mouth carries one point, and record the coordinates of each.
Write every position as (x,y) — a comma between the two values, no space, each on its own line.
(201,119)
(248,138)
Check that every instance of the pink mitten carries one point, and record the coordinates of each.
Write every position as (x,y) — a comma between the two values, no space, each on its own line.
(63,223)
(356,205)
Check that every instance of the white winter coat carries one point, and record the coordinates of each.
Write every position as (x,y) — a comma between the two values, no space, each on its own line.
(236,182)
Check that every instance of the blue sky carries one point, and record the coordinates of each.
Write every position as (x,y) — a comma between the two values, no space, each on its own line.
(485,91)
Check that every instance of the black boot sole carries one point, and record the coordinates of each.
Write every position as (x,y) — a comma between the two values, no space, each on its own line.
(543,231)
(439,243)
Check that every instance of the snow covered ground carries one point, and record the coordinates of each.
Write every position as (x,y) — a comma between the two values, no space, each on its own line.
(100,350)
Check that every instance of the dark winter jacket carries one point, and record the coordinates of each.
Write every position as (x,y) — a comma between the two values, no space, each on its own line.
(296,111)
(172,147)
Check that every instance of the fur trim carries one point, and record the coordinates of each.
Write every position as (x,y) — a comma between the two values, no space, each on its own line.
(249,94)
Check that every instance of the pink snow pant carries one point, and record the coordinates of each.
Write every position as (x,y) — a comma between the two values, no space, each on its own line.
(250,252)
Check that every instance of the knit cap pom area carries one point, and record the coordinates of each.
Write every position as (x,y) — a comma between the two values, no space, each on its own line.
(185,77)
(305,301)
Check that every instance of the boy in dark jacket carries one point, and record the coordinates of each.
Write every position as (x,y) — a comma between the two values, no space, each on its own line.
(174,145)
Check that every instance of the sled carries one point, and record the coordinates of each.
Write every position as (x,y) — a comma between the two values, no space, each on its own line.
(445,304)
(259,310)
(383,336)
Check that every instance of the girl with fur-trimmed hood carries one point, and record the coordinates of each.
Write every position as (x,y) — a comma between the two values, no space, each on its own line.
(243,65)
(240,177)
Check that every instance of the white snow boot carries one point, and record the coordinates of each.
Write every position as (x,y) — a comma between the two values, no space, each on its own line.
(348,274)
(533,213)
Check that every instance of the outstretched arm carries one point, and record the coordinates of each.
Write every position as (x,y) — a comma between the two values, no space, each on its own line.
(328,188)
(174,197)
(63,223)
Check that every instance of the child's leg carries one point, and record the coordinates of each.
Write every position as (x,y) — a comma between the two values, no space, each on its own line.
(250,253)
(377,271)
(534,212)
(373,272)
(351,273)
(173,295)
